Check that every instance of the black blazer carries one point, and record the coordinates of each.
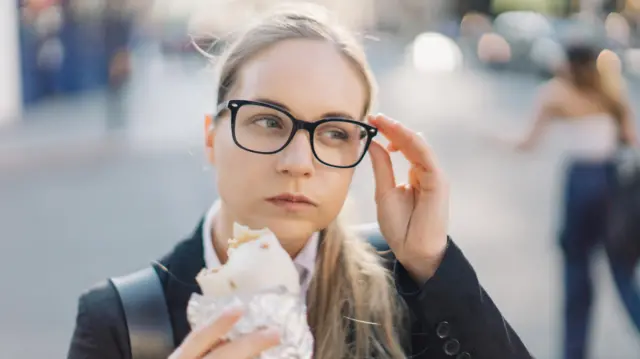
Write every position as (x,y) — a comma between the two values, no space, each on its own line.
(451,315)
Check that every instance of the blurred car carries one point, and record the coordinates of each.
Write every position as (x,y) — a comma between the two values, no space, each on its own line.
(521,30)
(531,42)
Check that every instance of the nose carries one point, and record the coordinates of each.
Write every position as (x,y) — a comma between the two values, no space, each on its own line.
(297,158)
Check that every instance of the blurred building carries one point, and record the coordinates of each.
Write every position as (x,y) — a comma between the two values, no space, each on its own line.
(552,7)
(10,93)
(67,46)
(601,6)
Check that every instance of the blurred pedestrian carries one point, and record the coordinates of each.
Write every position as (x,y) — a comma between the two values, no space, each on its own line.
(48,24)
(587,100)
(118,24)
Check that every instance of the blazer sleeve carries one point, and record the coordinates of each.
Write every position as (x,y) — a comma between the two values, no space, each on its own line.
(456,317)
(100,331)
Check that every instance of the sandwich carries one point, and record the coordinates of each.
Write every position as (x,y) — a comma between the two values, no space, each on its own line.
(256,262)
(260,276)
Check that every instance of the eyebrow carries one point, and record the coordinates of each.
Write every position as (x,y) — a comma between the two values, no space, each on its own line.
(325,115)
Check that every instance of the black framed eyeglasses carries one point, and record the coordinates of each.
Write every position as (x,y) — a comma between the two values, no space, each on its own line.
(265,128)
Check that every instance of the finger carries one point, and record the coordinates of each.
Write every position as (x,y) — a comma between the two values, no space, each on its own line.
(200,341)
(385,179)
(248,346)
(411,144)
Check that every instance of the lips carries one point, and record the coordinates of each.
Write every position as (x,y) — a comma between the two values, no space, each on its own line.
(292,198)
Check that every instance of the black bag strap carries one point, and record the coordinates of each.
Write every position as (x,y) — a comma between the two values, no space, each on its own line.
(146,313)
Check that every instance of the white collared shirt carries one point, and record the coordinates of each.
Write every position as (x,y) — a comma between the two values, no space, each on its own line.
(305,261)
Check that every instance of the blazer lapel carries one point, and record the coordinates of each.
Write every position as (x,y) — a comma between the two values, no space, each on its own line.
(184,263)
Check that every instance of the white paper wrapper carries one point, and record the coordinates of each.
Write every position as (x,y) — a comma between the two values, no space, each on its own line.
(274,308)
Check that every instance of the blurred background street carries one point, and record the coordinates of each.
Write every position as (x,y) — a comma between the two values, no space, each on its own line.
(97,182)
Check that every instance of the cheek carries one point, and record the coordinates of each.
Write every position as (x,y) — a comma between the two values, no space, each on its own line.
(235,170)
(335,188)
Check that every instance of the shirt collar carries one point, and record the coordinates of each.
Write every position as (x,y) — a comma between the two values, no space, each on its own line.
(211,259)
(305,261)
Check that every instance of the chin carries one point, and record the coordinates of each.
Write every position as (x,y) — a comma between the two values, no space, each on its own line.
(290,230)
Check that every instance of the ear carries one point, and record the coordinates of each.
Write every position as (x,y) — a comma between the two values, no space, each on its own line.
(209,136)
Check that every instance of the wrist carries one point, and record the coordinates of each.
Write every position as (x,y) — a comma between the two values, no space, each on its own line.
(422,267)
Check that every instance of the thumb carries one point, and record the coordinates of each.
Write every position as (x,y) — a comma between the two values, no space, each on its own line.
(382,169)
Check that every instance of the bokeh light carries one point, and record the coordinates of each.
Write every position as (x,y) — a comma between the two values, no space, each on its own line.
(632,61)
(433,52)
(609,62)
(547,54)
(493,48)
(474,24)
(617,28)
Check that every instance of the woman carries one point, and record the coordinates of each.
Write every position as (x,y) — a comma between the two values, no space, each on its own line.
(596,118)
(293,96)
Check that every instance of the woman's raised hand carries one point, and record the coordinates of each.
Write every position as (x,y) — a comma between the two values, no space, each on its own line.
(413,217)
(207,343)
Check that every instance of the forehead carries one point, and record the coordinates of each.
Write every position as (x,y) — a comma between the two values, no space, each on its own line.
(310,77)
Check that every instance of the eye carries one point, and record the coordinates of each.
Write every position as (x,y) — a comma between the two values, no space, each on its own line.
(363,134)
(268,121)
(334,134)
(337,134)
(341,131)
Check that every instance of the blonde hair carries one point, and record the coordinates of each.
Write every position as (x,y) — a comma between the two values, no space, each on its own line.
(353,307)
(287,22)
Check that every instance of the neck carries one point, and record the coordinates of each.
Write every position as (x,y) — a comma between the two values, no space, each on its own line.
(222,231)
(295,247)
(220,234)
